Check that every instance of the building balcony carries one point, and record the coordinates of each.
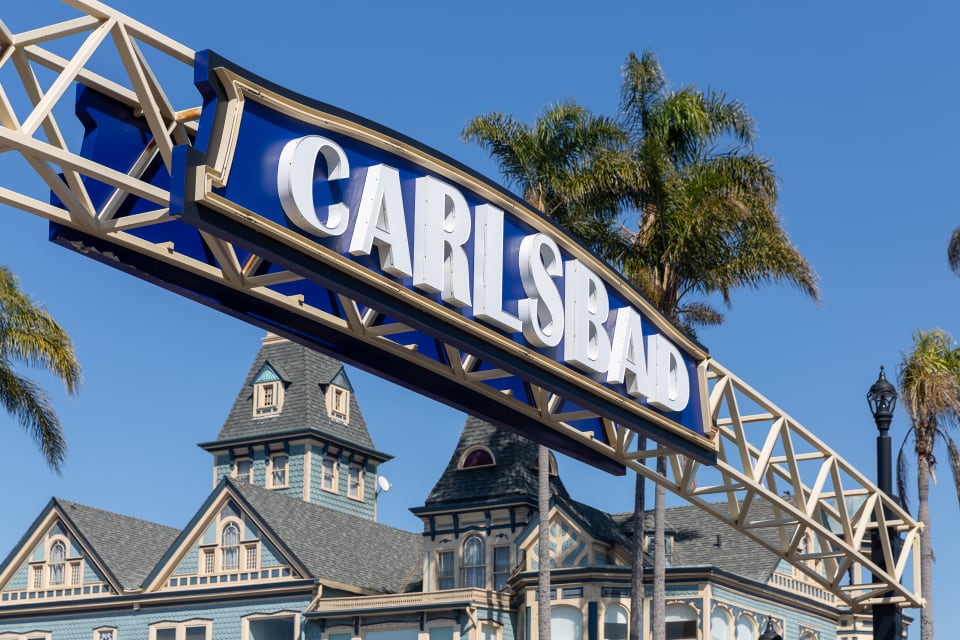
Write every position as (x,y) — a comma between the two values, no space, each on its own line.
(402,602)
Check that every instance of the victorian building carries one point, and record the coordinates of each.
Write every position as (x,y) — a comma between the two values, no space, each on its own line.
(287,546)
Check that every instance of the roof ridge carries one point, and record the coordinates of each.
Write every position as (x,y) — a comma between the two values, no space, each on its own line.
(62,502)
(311,505)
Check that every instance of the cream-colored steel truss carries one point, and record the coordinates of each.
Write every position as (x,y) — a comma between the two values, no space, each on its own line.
(775,481)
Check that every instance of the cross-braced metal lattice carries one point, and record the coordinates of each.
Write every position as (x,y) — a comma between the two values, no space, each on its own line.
(823,527)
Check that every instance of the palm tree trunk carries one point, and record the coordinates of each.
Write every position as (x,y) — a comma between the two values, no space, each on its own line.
(659,606)
(543,558)
(636,567)
(926,550)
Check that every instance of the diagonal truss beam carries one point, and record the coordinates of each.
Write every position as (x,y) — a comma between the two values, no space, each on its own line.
(823,527)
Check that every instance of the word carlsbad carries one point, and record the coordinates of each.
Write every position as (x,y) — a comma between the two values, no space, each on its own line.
(650,367)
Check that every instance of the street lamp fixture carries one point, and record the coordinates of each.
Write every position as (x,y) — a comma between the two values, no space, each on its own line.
(770,633)
(882,398)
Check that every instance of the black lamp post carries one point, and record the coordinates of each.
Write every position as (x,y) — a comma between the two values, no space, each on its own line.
(770,633)
(882,398)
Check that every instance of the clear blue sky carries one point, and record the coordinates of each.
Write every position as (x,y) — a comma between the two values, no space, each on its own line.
(855,103)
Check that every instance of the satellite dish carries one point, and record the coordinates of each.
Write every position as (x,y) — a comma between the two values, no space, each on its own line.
(383,484)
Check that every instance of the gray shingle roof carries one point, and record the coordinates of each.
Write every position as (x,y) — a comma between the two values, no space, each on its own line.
(338,547)
(513,477)
(129,547)
(305,373)
(696,535)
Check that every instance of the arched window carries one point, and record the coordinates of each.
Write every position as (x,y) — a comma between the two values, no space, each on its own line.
(615,623)
(473,568)
(681,622)
(477,457)
(720,624)
(58,556)
(230,547)
(566,623)
(746,628)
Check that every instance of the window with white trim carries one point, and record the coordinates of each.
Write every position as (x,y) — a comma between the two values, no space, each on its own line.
(338,403)
(501,567)
(105,633)
(328,481)
(189,630)
(209,561)
(355,482)
(55,567)
(267,398)
(275,626)
(566,623)
(746,628)
(230,547)
(31,635)
(251,557)
(721,624)
(243,470)
(278,470)
(445,579)
(473,567)
(615,623)
(681,622)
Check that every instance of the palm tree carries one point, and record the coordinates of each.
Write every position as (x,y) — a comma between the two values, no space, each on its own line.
(573,167)
(28,334)
(930,386)
(709,222)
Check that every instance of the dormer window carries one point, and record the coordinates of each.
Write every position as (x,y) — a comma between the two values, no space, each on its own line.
(477,457)
(267,392)
(338,403)
(267,398)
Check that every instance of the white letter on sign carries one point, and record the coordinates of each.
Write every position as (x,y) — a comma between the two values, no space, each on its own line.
(442,222)
(586,344)
(295,184)
(381,222)
(673,384)
(628,360)
(488,270)
(542,311)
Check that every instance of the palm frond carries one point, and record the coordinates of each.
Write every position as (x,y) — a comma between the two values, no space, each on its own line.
(26,401)
(902,479)
(954,462)
(28,333)
(953,251)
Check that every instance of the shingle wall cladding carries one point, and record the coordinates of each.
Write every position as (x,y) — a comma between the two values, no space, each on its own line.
(295,469)
(190,564)
(20,580)
(226,619)
(505,619)
(790,616)
(259,467)
(339,500)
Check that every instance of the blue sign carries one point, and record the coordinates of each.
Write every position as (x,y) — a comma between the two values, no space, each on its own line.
(419,241)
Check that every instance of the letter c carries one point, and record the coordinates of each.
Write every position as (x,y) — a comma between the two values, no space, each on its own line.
(295,184)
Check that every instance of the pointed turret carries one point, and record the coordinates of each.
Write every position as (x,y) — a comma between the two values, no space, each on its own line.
(296,428)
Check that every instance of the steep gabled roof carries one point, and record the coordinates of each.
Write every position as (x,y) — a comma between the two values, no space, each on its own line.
(124,548)
(337,547)
(513,477)
(306,374)
(129,547)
